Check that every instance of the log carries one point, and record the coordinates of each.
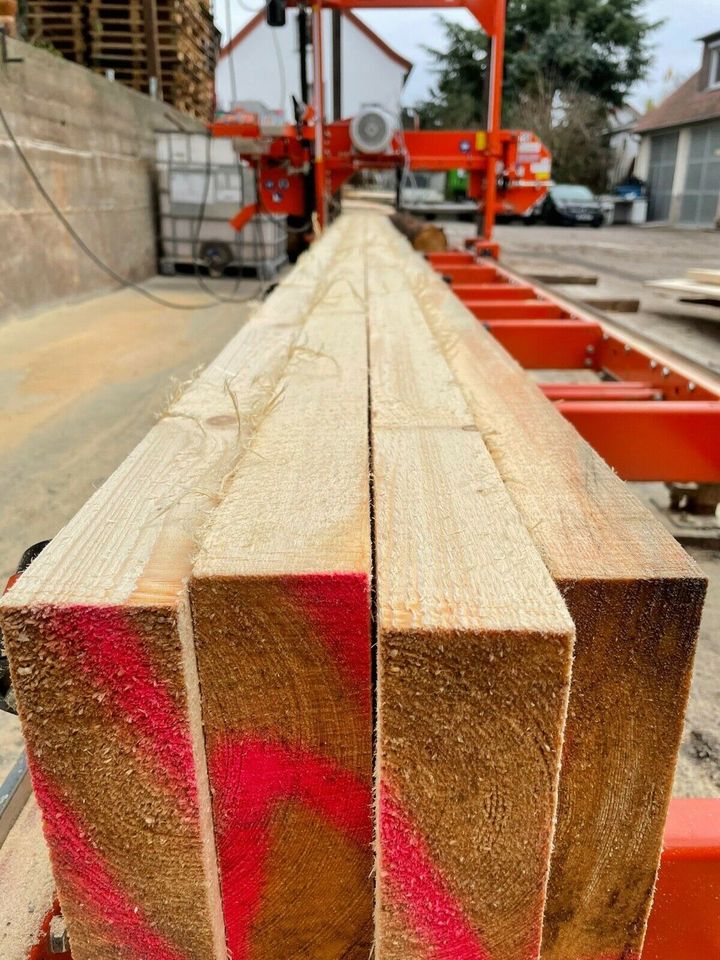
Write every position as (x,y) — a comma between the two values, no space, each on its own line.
(474,658)
(636,600)
(280,595)
(424,237)
(103,663)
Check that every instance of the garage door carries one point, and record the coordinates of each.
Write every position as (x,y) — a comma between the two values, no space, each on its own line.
(702,187)
(663,153)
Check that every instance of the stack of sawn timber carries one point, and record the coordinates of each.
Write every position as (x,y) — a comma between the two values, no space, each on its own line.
(60,25)
(193,654)
(107,35)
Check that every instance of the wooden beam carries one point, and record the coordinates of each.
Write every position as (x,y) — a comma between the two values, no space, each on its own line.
(636,599)
(103,663)
(281,605)
(474,656)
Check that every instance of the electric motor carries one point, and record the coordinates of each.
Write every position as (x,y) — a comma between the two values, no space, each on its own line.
(373,129)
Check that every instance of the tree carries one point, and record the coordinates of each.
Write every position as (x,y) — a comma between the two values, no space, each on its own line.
(457,100)
(575,131)
(598,47)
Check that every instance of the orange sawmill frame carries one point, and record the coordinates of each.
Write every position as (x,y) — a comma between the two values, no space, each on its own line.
(650,418)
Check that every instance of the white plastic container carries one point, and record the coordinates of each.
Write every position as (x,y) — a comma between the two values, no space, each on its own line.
(202,184)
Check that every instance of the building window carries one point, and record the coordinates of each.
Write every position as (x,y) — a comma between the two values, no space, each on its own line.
(714,77)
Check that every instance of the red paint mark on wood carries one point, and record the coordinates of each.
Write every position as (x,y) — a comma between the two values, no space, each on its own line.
(339,606)
(250,778)
(110,652)
(415,887)
(84,868)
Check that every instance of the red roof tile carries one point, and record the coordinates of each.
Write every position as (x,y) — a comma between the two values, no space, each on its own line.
(689,104)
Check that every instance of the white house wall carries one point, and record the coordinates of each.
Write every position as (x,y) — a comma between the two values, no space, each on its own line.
(369,75)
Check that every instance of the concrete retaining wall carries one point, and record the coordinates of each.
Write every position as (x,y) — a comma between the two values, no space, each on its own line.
(91,142)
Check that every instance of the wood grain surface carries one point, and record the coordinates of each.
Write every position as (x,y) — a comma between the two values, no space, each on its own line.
(474,658)
(280,596)
(103,662)
(636,599)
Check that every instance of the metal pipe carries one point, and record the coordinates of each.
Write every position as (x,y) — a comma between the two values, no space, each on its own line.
(152,45)
(319,103)
(497,59)
(302,45)
(337,63)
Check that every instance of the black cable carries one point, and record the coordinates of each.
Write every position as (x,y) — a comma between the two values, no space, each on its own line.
(124,282)
(262,287)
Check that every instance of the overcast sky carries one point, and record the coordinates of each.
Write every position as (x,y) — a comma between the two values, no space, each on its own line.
(674,45)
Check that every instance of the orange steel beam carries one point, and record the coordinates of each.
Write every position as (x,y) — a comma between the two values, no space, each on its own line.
(647,440)
(685,918)
(471,273)
(625,360)
(548,344)
(488,13)
(655,422)
(243,217)
(492,291)
(603,390)
(515,310)
(450,258)
(497,61)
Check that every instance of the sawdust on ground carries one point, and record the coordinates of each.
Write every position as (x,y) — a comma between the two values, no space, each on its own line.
(80,385)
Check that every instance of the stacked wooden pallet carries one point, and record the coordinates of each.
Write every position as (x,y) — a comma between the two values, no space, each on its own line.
(188,46)
(59,25)
(193,654)
(111,36)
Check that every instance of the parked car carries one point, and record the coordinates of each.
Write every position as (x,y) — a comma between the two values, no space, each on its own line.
(570,204)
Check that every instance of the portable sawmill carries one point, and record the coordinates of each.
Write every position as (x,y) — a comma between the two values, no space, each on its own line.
(301,167)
